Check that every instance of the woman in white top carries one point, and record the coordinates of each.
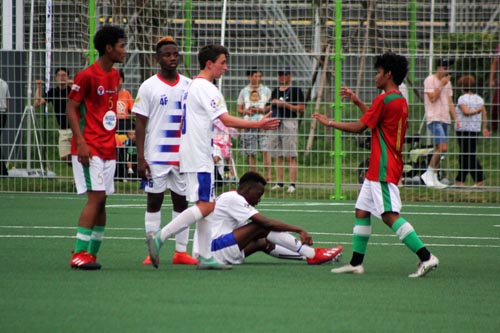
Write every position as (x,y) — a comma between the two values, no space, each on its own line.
(471,116)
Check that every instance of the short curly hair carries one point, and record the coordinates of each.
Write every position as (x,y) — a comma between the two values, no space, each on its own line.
(395,63)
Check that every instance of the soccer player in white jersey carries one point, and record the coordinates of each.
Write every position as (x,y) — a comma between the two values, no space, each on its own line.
(158,116)
(234,238)
(202,104)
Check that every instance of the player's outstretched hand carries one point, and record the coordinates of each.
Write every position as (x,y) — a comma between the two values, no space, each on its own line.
(269,123)
(349,94)
(322,118)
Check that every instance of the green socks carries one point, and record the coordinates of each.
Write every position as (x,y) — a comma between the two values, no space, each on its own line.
(96,239)
(407,234)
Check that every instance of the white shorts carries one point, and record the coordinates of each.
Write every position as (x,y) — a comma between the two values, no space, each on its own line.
(378,198)
(200,186)
(226,250)
(98,176)
(165,177)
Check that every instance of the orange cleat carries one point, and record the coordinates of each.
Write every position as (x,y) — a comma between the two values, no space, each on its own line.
(147,261)
(323,255)
(183,258)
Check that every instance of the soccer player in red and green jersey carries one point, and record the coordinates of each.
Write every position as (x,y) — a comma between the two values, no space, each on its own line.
(379,195)
(91,112)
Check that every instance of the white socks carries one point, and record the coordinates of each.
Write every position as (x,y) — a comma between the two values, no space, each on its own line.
(152,221)
(282,253)
(182,238)
(291,243)
(204,233)
(182,221)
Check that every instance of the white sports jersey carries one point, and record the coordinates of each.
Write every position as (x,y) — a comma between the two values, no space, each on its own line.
(160,101)
(202,104)
(231,211)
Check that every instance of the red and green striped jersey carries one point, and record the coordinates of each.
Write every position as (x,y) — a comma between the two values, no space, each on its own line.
(97,91)
(387,117)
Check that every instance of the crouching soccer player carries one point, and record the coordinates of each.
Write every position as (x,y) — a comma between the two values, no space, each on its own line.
(239,230)
(379,195)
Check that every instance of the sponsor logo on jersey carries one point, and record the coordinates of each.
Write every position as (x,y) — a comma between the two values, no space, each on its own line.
(100,90)
(109,120)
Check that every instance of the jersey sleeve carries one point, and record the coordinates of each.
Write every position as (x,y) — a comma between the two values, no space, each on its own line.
(238,208)
(213,101)
(372,115)
(80,87)
(141,105)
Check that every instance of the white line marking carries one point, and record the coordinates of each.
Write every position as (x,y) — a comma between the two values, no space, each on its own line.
(343,243)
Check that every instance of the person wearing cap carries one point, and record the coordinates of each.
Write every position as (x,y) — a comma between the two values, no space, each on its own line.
(287,103)
(495,105)
(438,103)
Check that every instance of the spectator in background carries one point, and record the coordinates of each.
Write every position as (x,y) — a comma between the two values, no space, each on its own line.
(4,108)
(438,105)
(471,113)
(495,104)
(124,106)
(251,105)
(58,96)
(287,103)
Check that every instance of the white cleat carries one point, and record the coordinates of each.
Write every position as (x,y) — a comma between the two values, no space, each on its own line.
(349,269)
(425,267)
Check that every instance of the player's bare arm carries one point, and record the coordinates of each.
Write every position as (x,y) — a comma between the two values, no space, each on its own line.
(140,137)
(275,225)
(266,122)
(354,127)
(83,150)
(347,93)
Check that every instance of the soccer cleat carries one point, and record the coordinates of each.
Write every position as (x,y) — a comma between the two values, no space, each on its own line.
(276,187)
(322,255)
(154,245)
(147,260)
(211,263)
(291,189)
(84,261)
(349,269)
(183,258)
(425,267)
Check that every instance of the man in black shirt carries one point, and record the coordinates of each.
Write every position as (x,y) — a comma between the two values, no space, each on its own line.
(288,104)
(58,96)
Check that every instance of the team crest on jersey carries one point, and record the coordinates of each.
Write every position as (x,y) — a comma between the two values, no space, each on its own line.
(216,102)
(109,120)
(100,90)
